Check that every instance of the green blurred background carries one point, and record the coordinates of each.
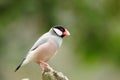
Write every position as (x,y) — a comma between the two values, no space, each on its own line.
(92,52)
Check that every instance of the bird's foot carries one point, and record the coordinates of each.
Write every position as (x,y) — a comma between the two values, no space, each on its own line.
(43,65)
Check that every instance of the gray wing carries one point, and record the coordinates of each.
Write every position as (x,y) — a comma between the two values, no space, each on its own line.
(43,39)
(39,42)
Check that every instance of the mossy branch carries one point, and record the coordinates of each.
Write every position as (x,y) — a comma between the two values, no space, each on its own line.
(50,74)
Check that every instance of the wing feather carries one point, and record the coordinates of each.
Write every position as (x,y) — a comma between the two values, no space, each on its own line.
(43,39)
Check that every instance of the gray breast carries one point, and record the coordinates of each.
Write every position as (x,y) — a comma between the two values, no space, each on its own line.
(57,40)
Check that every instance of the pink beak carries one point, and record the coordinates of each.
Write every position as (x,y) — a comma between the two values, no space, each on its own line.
(66,33)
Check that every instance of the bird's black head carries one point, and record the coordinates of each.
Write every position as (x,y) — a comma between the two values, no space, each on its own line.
(60,31)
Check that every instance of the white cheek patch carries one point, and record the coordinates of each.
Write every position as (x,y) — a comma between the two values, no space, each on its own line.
(58,32)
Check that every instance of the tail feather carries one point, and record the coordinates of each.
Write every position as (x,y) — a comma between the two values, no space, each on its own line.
(19,65)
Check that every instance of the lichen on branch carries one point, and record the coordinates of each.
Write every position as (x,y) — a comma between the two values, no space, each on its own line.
(51,74)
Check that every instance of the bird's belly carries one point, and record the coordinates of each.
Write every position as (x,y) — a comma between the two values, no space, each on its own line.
(45,51)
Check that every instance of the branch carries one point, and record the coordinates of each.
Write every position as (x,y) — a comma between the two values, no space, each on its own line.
(50,74)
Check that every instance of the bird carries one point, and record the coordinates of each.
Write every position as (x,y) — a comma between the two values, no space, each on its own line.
(45,47)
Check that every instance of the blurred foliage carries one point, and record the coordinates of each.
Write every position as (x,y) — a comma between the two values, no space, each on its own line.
(94,27)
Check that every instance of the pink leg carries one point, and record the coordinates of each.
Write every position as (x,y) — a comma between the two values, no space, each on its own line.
(42,64)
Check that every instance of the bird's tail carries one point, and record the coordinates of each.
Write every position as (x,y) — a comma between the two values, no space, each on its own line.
(20,65)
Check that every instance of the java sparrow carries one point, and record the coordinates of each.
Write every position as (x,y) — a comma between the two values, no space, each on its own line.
(45,47)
